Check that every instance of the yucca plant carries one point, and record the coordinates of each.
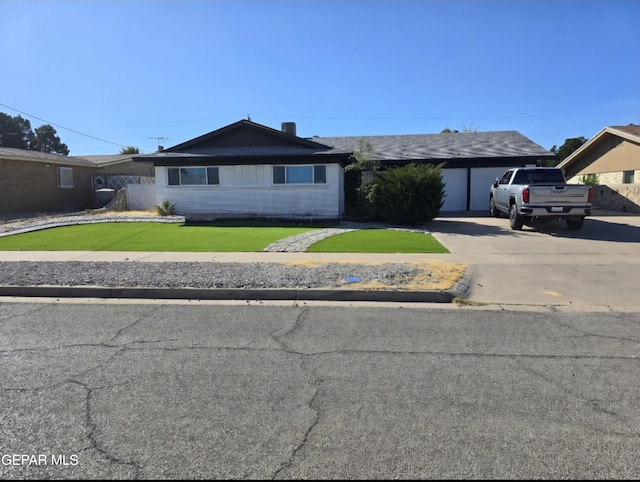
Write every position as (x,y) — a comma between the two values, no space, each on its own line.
(167,208)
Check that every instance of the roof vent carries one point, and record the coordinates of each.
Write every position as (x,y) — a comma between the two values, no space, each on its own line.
(289,128)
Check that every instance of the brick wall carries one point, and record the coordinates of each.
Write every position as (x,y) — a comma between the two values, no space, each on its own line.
(32,187)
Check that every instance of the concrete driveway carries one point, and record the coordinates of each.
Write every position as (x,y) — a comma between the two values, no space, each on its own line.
(547,264)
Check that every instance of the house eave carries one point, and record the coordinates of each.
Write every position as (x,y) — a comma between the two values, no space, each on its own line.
(208,160)
(471,162)
(577,154)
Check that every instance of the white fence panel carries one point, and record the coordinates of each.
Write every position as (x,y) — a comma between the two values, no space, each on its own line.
(141,197)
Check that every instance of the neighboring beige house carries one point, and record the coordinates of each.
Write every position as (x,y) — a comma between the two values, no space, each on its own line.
(37,182)
(613,156)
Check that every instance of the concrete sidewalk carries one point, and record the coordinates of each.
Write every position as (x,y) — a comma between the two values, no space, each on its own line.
(225,257)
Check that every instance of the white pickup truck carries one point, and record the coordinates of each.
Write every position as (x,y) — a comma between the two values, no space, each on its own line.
(541,193)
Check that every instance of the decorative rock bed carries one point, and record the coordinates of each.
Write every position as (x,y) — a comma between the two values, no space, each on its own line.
(35,224)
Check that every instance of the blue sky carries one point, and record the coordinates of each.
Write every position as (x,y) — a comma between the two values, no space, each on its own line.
(108,74)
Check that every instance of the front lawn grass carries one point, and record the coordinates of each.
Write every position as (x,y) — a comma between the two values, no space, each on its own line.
(379,241)
(206,237)
(213,237)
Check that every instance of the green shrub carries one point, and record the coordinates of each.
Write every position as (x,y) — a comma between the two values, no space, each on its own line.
(166,208)
(590,179)
(412,194)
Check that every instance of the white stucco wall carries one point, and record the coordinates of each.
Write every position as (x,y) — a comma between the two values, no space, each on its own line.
(248,191)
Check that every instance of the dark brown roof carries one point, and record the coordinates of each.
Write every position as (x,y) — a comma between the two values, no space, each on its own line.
(630,129)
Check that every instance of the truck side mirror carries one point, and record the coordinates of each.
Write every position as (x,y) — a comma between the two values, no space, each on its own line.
(496,182)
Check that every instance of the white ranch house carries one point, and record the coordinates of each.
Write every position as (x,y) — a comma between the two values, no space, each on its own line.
(248,170)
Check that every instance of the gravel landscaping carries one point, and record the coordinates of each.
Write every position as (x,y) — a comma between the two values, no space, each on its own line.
(35,224)
(204,275)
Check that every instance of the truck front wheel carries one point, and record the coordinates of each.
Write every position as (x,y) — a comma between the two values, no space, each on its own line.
(493,211)
(575,224)
(515,220)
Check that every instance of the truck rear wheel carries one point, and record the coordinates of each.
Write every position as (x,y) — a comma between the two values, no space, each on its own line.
(515,220)
(575,224)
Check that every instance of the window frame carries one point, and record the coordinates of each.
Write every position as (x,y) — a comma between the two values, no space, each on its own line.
(281,176)
(65,181)
(210,178)
(628,177)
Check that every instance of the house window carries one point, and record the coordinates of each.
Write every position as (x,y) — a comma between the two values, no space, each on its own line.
(299,174)
(627,177)
(192,176)
(65,177)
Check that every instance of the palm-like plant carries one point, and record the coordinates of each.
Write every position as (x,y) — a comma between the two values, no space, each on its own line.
(167,208)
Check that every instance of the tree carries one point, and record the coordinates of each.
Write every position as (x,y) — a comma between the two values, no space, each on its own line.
(471,128)
(465,128)
(363,158)
(570,146)
(357,185)
(16,132)
(46,140)
(130,150)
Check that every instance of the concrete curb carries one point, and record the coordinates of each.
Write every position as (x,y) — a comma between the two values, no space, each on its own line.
(445,296)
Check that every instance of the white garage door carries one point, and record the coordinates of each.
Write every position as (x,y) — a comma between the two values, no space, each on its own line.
(481,180)
(455,189)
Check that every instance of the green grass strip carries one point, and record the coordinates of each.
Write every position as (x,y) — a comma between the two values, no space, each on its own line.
(222,237)
(379,241)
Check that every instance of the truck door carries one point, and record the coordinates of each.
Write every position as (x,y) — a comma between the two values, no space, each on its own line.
(502,192)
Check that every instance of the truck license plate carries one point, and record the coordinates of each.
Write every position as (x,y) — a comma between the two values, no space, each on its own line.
(556,209)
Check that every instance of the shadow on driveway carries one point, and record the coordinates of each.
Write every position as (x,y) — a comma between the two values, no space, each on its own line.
(602,228)
(596,230)
(474,227)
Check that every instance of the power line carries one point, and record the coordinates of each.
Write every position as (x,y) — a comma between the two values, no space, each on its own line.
(395,118)
(63,127)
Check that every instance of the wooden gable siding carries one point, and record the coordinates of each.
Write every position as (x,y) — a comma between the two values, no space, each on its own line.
(242,138)
(613,154)
(245,134)
(248,191)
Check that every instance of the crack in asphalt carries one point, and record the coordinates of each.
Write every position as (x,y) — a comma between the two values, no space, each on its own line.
(92,427)
(23,313)
(594,404)
(305,436)
(284,339)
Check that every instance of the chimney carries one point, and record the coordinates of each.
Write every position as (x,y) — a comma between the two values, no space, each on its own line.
(160,148)
(289,128)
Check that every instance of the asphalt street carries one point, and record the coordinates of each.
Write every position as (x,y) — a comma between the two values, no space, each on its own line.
(108,389)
